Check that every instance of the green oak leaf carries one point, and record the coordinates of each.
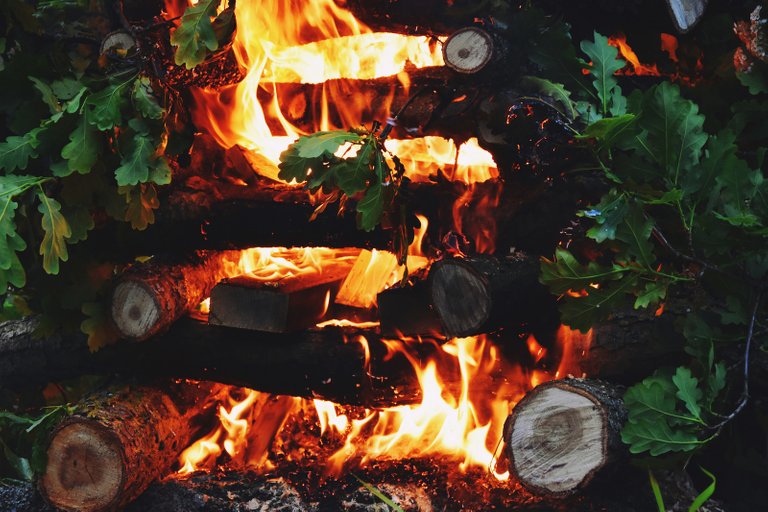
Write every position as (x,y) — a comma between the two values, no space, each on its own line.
(607,214)
(715,383)
(673,131)
(16,151)
(82,150)
(49,98)
(657,438)
(598,304)
(144,100)
(610,129)
(605,63)
(142,202)
(137,161)
(66,88)
(556,91)
(11,270)
(98,326)
(320,143)
(57,230)
(105,106)
(195,38)
(353,174)
(371,206)
(653,293)
(160,173)
(565,273)
(688,390)
(80,222)
(294,167)
(635,231)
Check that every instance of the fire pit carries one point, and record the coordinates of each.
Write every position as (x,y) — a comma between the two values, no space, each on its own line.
(346,255)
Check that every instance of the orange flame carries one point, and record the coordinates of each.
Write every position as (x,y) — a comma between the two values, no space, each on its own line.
(464,421)
(280,42)
(638,68)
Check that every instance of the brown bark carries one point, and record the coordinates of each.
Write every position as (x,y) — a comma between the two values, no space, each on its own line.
(562,433)
(284,305)
(149,297)
(119,442)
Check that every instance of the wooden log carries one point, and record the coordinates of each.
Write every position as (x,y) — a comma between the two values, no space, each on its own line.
(119,442)
(477,294)
(285,305)
(562,433)
(408,311)
(149,297)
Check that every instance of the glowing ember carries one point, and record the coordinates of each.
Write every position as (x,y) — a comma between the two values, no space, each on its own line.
(637,68)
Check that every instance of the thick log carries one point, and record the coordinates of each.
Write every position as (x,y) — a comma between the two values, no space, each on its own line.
(407,311)
(119,442)
(476,294)
(285,305)
(562,433)
(149,297)
(329,364)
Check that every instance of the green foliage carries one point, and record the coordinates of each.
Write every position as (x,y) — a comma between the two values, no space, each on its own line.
(362,173)
(53,247)
(24,440)
(686,211)
(195,37)
(380,495)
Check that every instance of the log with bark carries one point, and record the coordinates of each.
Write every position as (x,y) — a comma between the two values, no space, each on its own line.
(563,433)
(120,441)
(477,294)
(149,297)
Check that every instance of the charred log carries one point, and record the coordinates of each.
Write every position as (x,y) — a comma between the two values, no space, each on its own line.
(478,294)
(119,442)
(149,297)
(407,311)
(563,433)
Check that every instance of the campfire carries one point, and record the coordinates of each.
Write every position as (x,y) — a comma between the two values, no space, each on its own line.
(383,259)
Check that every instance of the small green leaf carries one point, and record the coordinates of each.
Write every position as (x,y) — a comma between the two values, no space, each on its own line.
(142,201)
(57,230)
(145,101)
(106,106)
(653,293)
(598,304)
(160,173)
(607,214)
(82,151)
(16,151)
(707,493)
(635,231)
(98,326)
(688,390)
(294,167)
(565,273)
(320,143)
(557,91)
(605,63)
(371,207)
(657,438)
(195,37)
(656,492)
(353,174)
(67,88)
(609,129)
(380,495)
(137,161)
(49,98)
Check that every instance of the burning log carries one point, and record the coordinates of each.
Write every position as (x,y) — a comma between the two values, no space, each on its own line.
(290,304)
(149,297)
(562,433)
(117,443)
(480,293)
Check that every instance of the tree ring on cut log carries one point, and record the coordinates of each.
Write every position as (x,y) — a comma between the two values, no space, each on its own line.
(85,468)
(460,295)
(468,50)
(134,309)
(556,439)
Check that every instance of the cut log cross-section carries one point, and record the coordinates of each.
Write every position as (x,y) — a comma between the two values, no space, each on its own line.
(119,442)
(476,294)
(562,433)
(149,297)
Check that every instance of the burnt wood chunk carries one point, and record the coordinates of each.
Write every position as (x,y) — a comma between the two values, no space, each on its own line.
(562,433)
(286,305)
(476,294)
(118,442)
(468,50)
(151,296)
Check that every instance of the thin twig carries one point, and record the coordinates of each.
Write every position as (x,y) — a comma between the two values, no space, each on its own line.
(745,392)
(659,236)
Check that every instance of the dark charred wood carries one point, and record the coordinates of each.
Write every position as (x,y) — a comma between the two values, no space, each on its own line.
(563,433)
(478,294)
(407,311)
(120,441)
